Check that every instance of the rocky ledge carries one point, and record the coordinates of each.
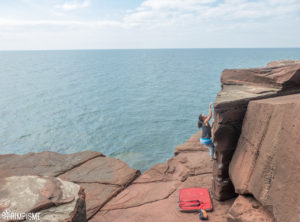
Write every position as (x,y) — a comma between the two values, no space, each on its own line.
(255,177)
(107,188)
(78,185)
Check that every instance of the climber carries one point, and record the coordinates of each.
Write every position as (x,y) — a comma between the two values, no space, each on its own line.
(205,139)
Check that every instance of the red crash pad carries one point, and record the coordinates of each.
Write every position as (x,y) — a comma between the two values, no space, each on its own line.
(194,199)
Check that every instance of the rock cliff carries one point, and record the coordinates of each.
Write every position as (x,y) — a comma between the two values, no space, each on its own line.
(266,162)
(239,86)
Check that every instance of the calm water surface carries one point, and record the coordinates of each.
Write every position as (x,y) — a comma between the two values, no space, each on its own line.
(135,105)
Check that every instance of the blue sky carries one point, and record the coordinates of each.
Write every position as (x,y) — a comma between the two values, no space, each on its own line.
(113,24)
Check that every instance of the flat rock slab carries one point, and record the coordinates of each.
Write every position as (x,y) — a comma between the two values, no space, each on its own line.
(140,194)
(247,209)
(103,170)
(274,77)
(44,164)
(180,167)
(54,199)
(231,95)
(266,162)
(166,209)
(154,195)
(283,63)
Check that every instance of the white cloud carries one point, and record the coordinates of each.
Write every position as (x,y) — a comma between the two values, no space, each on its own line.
(196,13)
(74,5)
(189,13)
(169,23)
(60,23)
(174,4)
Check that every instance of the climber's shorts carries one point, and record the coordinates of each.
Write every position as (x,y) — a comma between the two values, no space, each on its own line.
(206,141)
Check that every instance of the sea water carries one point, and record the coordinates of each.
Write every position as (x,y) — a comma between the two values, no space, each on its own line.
(134,105)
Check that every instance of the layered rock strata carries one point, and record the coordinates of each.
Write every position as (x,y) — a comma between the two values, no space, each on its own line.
(266,162)
(239,86)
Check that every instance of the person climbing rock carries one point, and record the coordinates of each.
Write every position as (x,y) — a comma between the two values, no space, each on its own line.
(203,122)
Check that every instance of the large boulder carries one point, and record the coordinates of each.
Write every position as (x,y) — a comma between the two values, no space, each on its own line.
(266,162)
(50,198)
(239,86)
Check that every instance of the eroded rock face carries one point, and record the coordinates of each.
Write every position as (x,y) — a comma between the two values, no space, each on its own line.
(52,198)
(247,209)
(266,162)
(101,177)
(239,86)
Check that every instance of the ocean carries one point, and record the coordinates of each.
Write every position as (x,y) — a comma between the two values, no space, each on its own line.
(134,105)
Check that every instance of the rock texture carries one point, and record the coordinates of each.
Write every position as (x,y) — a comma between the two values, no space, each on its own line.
(101,177)
(247,209)
(283,63)
(239,86)
(266,162)
(54,199)
(113,191)
(283,76)
(154,195)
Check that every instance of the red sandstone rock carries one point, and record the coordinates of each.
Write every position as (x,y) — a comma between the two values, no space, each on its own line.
(239,86)
(247,209)
(154,195)
(52,198)
(162,180)
(282,63)
(45,163)
(191,145)
(97,195)
(273,77)
(101,177)
(266,162)
(102,170)
(164,208)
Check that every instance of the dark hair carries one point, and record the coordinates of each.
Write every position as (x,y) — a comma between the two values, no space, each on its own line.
(200,121)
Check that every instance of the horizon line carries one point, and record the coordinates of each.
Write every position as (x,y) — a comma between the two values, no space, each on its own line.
(83,49)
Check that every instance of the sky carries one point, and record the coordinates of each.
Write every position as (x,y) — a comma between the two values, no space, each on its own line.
(123,24)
